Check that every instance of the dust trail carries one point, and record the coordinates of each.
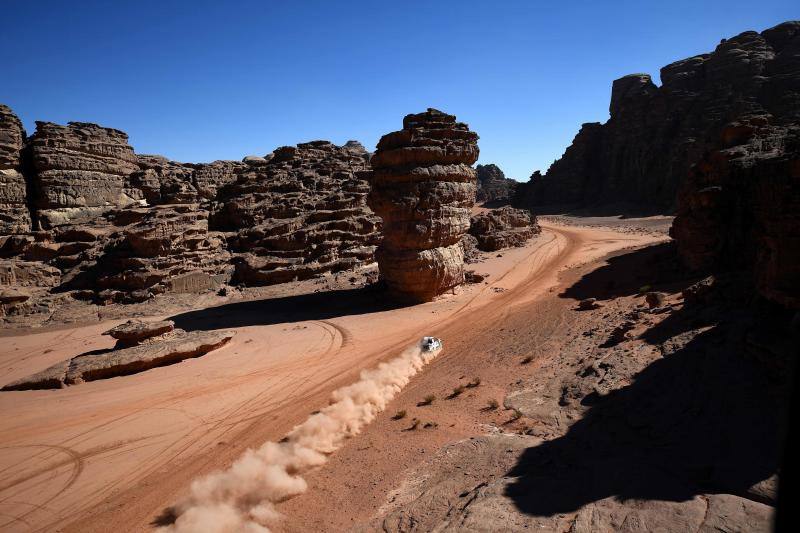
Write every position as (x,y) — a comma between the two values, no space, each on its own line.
(242,498)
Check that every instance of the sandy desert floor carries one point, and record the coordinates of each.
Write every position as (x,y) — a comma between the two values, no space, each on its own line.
(113,454)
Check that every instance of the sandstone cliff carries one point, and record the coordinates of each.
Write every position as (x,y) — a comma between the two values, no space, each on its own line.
(423,188)
(83,216)
(655,134)
(299,212)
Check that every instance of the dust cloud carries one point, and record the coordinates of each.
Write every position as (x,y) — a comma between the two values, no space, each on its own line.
(242,498)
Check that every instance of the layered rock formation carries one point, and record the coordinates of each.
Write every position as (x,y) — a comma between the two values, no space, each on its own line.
(80,170)
(423,188)
(14,214)
(655,134)
(81,213)
(299,212)
(493,186)
(505,227)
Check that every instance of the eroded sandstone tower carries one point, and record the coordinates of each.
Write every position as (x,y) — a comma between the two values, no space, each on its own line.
(423,188)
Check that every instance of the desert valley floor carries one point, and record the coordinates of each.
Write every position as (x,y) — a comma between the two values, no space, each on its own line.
(115,454)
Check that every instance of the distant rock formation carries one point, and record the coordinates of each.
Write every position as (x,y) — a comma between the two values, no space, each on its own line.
(505,227)
(655,134)
(423,188)
(493,186)
(82,216)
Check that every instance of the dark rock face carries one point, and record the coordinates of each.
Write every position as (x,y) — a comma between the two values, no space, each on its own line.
(423,188)
(740,209)
(493,186)
(14,214)
(655,134)
(299,212)
(505,227)
(80,171)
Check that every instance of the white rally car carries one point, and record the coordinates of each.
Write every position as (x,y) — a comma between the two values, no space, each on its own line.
(431,344)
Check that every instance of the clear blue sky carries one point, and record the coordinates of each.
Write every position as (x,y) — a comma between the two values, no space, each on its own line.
(202,80)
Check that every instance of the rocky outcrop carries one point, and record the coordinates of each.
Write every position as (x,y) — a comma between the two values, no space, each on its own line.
(165,350)
(654,135)
(299,212)
(505,227)
(14,214)
(80,171)
(423,188)
(168,182)
(113,226)
(151,251)
(493,186)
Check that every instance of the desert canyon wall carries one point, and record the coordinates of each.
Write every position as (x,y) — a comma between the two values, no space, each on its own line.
(718,142)
(423,187)
(654,135)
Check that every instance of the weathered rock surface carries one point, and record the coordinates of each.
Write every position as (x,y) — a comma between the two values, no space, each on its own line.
(493,186)
(121,362)
(134,332)
(423,188)
(80,171)
(161,249)
(655,134)
(505,227)
(299,212)
(14,214)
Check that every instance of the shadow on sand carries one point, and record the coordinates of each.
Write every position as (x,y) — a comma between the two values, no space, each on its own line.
(701,420)
(706,418)
(629,271)
(313,306)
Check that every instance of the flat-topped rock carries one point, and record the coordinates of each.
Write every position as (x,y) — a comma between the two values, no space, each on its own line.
(135,331)
(182,345)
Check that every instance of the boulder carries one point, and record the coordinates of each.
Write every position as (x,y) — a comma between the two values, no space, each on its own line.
(423,188)
(135,331)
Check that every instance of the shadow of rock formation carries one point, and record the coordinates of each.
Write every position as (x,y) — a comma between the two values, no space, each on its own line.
(313,306)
